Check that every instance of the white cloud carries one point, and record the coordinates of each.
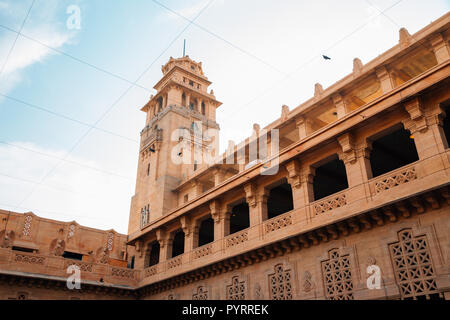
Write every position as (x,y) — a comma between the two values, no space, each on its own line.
(71,192)
(41,26)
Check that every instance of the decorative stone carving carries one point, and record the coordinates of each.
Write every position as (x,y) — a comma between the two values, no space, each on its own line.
(307,283)
(57,247)
(277,223)
(250,194)
(280,283)
(413,266)
(293,169)
(258,292)
(236,290)
(330,203)
(110,241)
(201,294)
(337,276)
(7,238)
(26,231)
(103,255)
(357,66)
(399,178)
(235,239)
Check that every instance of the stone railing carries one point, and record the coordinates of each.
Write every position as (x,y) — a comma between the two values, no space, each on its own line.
(278,222)
(29,259)
(202,251)
(122,272)
(150,271)
(174,262)
(83,266)
(329,203)
(393,179)
(236,239)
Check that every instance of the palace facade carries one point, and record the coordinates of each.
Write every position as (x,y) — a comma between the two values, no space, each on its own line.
(351,185)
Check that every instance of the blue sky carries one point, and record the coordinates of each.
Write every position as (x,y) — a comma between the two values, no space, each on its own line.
(258,54)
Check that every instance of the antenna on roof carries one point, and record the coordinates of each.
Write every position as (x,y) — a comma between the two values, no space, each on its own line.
(184,48)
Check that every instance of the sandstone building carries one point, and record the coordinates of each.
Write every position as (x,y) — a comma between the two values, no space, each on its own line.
(359,177)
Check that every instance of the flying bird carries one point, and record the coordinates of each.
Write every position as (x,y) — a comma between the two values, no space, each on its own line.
(326,57)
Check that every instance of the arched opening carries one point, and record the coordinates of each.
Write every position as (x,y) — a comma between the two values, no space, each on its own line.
(330,178)
(178,243)
(280,200)
(391,151)
(154,254)
(240,217)
(183,100)
(160,104)
(203,109)
(206,232)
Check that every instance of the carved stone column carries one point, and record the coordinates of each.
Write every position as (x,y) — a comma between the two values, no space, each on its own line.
(440,48)
(219,176)
(341,108)
(425,126)
(304,126)
(165,246)
(257,204)
(190,231)
(295,180)
(356,160)
(221,220)
(385,79)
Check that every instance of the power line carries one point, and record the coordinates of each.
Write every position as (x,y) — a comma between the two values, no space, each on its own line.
(65,160)
(60,115)
(17,36)
(115,103)
(220,38)
(316,56)
(74,58)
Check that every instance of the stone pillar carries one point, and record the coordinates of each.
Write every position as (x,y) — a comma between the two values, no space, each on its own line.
(385,79)
(356,160)
(219,176)
(257,204)
(188,100)
(190,230)
(221,220)
(425,126)
(440,48)
(341,109)
(197,187)
(294,179)
(165,245)
(304,127)
(164,100)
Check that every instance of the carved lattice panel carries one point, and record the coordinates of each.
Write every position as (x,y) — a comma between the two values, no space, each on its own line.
(202,294)
(280,284)
(337,277)
(236,291)
(413,267)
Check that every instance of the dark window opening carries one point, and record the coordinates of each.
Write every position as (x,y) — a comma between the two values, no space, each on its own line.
(183,100)
(240,218)
(178,244)
(153,258)
(195,165)
(203,108)
(72,255)
(280,200)
(330,178)
(392,151)
(446,125)
(148,169)
(23,249)
(186,198)
(160,104)
(131,264)
(206,232)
